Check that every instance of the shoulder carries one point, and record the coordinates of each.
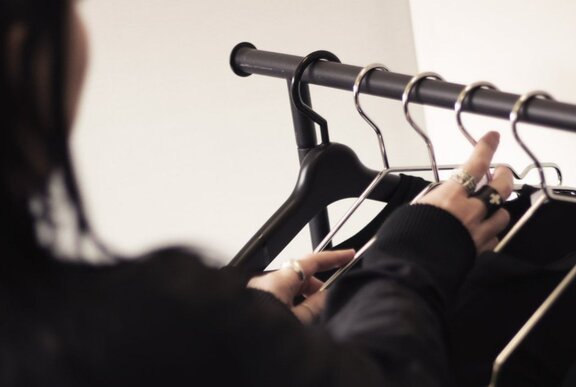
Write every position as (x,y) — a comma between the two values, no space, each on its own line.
(172,272)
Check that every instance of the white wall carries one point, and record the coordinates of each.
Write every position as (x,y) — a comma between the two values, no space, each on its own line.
(520,45)
(173,147)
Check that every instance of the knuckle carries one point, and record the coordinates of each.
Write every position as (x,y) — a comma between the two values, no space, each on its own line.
(475,210)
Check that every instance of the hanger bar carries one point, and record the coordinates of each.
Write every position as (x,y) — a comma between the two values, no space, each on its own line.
(246,60)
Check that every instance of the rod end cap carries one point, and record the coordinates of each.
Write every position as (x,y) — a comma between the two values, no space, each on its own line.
(237,69)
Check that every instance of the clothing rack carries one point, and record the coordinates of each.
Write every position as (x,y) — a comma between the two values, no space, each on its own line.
(246,60)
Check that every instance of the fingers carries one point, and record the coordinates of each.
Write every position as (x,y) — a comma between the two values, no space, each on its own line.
(310,309)
(325,260)
(486,232)
(503,181)
(311,286)
(479,161)
(288,282)
(492,196)
(478,211)
(489,246)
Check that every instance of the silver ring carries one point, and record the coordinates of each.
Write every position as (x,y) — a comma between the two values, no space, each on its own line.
(465,179)
(295,266)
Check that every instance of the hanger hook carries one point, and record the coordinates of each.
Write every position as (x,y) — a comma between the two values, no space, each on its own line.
(519,107)
(406,101)
(296,97)
(465,93)
(356,91)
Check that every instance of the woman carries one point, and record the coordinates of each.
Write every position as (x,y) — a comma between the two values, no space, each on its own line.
(166,319)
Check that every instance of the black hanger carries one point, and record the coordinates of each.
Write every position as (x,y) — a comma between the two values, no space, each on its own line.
(329,172)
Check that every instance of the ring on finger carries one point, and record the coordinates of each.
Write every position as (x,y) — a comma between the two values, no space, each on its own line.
(465,179)
(491,199)
(295,266)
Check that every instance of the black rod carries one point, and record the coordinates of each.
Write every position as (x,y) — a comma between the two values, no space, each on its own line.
(246,60)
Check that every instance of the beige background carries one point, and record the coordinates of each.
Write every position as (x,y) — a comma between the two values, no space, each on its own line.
(175,148)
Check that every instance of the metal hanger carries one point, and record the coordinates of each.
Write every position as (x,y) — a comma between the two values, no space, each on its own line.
(522,174)
(356,93)
(386,170)
(458,108)
(467,91)
(405,101)
(548,193)
(405,104)
(518,175)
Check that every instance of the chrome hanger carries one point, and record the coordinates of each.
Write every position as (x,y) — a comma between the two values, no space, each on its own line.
(405,101)
(467,91)
(547,194)
(458,107)
(522,174)
(356,92)
(517,175)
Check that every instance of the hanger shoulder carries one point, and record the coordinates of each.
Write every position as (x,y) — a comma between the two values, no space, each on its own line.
(328,173)
(333,172)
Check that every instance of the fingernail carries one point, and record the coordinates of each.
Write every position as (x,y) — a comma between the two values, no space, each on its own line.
(492,138)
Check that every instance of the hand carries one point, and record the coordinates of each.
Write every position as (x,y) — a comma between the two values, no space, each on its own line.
(286,283)
(452,196)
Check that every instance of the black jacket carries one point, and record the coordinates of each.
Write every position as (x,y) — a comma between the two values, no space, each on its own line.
(169,320)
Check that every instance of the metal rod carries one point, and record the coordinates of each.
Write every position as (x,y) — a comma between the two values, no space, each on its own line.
(247,60)
(521,222)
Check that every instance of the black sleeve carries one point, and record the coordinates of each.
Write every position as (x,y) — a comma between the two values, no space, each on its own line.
(384,323)
(393,307)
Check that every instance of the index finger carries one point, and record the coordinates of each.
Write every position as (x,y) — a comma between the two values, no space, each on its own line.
(481,157)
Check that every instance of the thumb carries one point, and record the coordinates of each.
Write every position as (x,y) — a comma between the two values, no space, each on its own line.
(310,309)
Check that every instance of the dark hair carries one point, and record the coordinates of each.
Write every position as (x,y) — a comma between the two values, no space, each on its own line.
(33,138)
